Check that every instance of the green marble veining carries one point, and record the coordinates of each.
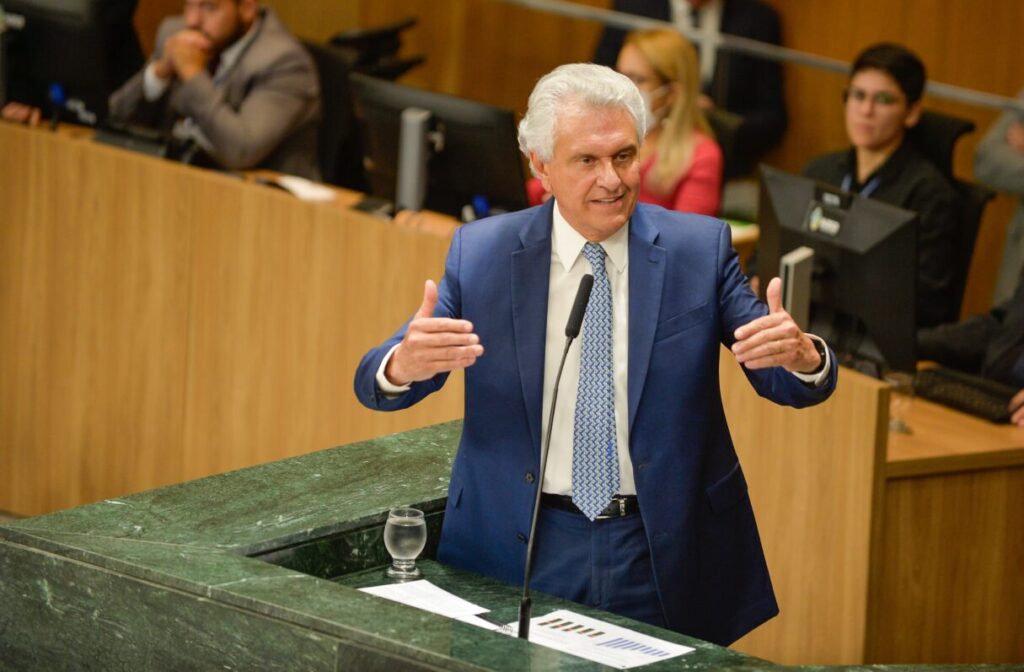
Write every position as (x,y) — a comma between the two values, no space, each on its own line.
(280,503)
(233,572)
(348,552)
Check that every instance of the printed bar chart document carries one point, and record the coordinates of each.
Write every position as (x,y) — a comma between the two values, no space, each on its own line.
(600,642)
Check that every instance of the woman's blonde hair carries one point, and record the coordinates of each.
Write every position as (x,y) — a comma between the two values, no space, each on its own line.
(674,60)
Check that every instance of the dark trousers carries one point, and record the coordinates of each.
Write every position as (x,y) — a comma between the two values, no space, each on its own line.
(604,564)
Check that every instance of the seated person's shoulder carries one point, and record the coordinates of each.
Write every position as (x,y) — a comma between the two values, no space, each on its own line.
(926,177)
(829,167)
(281,54)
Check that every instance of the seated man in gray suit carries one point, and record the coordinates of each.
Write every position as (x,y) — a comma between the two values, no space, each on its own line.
(228,79)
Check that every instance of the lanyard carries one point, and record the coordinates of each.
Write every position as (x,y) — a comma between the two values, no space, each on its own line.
(868,189)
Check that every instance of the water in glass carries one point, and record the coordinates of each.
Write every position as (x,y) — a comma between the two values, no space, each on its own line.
(405,535)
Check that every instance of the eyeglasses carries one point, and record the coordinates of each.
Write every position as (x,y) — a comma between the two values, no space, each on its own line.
(883,98)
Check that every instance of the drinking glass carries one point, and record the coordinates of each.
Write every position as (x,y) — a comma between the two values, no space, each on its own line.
(405,535)
(902,385)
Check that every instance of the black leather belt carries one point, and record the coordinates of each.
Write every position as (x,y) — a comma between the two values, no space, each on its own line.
(621,505)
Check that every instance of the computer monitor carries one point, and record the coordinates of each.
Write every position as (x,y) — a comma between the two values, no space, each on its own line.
(472,148)
(88,47)
(864,270)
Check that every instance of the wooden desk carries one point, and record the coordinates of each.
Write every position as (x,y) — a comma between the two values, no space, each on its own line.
(159,323)
(883,548)
(949,585)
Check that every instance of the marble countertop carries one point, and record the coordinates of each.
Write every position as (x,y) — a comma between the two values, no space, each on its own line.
(275,553)
(217,539)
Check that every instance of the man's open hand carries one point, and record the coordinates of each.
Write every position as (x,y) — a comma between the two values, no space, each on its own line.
(432,345)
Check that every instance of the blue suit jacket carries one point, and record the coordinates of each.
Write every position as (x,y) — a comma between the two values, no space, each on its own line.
(686,297)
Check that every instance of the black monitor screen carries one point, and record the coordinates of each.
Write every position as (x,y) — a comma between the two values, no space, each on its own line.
(479,153)
(865,264)
(88,47)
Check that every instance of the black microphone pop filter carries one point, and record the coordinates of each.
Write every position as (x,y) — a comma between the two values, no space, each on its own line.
(579,306)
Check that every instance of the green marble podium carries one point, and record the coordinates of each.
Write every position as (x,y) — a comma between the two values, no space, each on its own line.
(257,569)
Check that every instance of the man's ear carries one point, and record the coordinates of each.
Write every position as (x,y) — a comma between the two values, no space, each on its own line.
(540,169)
(913,115)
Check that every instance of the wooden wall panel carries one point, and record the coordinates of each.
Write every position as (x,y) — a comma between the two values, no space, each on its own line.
(159,323)
(952,585)
(148,15)
(814,506)
(93,308)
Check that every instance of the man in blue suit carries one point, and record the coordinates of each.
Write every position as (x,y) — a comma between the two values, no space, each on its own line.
(644,508)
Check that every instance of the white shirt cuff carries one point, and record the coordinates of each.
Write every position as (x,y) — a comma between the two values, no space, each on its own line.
(387,388)
(153,86)
(817,379)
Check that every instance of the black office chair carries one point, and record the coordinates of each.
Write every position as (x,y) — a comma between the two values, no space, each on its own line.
(935,135)
(340,151)
(973,198)
(375,50)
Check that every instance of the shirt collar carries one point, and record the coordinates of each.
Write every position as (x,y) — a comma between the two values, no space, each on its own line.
(567,243)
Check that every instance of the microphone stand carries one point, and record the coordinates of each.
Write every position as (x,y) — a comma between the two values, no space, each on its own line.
(572,330)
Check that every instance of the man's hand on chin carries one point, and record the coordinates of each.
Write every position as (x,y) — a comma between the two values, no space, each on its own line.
(188,53)
(775,339)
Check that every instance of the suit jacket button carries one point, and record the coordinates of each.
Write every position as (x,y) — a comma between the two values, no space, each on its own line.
(529,478)
(521,537)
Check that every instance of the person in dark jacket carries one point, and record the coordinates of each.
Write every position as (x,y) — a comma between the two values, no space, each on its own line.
(882,101)
(990,345)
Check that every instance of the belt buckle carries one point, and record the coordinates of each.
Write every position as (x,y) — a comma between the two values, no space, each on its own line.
(620,504)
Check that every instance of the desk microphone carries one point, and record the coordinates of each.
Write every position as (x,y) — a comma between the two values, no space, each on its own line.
(572,330)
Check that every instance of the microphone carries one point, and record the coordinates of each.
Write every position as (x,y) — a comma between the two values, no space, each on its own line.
(57,99)
(572,330)
(579,307)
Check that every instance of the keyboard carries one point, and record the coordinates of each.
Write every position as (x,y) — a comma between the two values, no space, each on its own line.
(971,394)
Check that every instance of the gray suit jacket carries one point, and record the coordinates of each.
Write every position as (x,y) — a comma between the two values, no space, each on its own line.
(1001,167)
(265,114)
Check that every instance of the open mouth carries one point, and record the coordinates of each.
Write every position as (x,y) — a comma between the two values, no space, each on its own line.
(611,200)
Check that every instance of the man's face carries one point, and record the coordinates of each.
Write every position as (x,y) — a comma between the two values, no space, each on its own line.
(877,112)
(221,21)
(594,172)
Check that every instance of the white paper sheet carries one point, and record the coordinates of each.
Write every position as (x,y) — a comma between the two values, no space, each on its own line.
(424,595)
(601,642)
(306,190)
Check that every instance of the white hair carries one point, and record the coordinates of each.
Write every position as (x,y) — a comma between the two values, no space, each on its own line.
(569,87)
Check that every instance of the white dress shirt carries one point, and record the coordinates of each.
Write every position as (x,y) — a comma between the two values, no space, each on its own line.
(568,266)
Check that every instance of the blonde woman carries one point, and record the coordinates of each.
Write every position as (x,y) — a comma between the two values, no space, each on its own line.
(681,164)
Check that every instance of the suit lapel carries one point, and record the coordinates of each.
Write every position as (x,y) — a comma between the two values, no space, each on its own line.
(646,277)
(531,269)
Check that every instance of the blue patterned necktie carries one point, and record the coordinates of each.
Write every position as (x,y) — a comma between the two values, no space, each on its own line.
(595,459)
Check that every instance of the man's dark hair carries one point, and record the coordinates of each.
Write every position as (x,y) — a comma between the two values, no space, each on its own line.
(899,63)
